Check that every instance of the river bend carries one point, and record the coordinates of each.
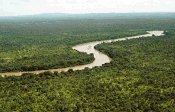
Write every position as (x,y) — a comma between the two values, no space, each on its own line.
(100,58)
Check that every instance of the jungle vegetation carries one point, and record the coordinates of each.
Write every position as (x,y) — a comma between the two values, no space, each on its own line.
(28,44)
(141,76)
(44,44)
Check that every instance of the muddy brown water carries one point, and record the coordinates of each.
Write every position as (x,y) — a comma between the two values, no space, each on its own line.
(100,58)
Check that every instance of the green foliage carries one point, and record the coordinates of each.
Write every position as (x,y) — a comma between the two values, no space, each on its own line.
(46,61)
(46,44)
(122,85)
(42,46)
(141,77)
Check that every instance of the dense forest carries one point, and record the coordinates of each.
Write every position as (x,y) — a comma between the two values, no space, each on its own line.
(44,44)
(141,76)
(35,44)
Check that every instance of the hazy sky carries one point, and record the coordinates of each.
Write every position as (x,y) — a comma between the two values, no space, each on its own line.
(28,7)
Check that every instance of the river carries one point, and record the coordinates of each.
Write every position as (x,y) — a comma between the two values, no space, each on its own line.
(100,58)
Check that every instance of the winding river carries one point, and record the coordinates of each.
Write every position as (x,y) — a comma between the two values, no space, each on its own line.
(100,58)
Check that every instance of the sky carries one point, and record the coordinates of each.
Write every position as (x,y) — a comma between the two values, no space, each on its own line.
(30,7)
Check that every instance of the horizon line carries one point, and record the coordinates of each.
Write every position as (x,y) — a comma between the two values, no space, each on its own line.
(83,13)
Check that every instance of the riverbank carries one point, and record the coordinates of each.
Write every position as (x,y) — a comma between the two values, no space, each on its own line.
(100,58)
